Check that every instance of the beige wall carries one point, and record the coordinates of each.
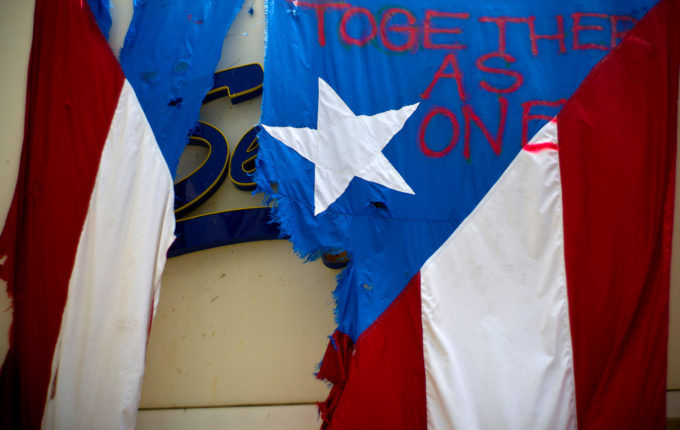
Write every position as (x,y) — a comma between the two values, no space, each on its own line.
(16,26)
(249,330)
(243,325)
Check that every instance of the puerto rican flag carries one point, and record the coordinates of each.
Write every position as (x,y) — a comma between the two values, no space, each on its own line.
(502,175)
(86,236)
(92,218)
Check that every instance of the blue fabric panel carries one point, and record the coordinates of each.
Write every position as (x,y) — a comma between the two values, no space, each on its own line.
(169,56)
(389,234)
(101,9)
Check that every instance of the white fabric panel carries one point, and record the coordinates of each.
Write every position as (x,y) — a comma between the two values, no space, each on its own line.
(99,358)
(276,417)
(496,333)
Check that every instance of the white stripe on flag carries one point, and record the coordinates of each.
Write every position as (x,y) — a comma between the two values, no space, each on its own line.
(99,358)
(496,335)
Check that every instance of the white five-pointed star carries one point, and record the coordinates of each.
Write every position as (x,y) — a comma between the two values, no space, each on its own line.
(345,145)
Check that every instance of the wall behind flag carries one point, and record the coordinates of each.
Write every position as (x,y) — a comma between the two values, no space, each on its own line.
(238,325)
(16,24)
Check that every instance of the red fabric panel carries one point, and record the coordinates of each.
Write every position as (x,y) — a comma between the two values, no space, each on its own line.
(617,138)
(74,83)
(379,383)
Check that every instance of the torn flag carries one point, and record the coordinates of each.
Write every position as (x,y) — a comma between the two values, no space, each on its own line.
(169,56)
(86,236)
(93,207)
(502,176)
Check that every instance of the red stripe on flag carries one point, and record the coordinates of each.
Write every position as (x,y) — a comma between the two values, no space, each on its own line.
(379,383)
(617,158)
(538,147)
(74,82)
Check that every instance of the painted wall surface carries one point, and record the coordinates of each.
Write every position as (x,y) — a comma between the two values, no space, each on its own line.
(16,27)
(243,325)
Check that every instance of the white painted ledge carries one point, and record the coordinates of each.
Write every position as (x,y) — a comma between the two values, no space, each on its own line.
(287,417)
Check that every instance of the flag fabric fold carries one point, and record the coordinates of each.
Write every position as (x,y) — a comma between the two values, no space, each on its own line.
(85,240)
(169,56)
(86,236)
(617,158)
